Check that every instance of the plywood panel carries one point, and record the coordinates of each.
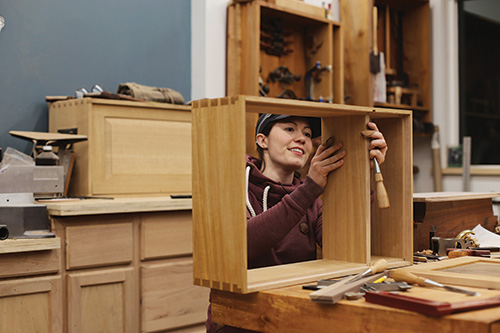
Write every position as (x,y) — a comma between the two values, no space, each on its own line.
(346,201)
(219,193)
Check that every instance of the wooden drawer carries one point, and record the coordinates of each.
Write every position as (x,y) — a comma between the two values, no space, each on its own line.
(24,257)
(99,245)
(132,147)
(30,263)
(169,298)
(31,305)
(166,234)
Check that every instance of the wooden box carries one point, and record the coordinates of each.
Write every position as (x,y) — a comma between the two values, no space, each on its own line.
(354,233)
(133,148)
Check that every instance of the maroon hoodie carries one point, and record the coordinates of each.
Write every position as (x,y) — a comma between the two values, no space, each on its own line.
(286,232)
(292,225)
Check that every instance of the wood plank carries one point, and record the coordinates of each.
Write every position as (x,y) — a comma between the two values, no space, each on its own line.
(356,18)
(42,136)
(219,236)
(116,205)
(346,201)
(29,245)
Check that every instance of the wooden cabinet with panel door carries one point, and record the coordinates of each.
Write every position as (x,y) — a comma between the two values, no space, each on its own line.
(128,265)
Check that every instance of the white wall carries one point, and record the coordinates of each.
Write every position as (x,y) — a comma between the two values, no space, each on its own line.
(444,30)
(208,48)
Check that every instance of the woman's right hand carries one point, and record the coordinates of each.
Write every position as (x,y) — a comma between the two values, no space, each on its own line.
(328,158)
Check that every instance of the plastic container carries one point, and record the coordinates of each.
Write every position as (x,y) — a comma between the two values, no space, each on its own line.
(47,157)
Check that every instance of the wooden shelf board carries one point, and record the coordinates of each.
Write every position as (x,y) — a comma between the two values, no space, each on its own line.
(117,205)
(285,275)
(29,245)
(402,106)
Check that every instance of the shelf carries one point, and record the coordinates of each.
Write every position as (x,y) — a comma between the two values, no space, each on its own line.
(482,115)
(402,107)
(29,245)
(482,170)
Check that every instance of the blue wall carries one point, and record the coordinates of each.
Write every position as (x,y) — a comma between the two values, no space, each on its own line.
(54,47)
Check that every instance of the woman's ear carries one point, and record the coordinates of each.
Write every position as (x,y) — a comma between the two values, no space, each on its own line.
(261,140)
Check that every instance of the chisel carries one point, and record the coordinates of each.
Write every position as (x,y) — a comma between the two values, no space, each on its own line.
(399,275)
(376,267)
(382,196)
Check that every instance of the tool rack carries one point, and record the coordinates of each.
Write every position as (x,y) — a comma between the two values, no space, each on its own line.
(354,232)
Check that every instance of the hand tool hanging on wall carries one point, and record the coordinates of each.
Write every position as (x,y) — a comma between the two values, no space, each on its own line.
(374,55)
(312,77)
(401,275)
(382,196)
(272,38)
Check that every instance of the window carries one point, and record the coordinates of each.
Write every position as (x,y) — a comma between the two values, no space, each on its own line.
(479,67)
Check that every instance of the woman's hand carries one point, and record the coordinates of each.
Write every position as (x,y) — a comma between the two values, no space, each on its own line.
(328,157)
(378,145)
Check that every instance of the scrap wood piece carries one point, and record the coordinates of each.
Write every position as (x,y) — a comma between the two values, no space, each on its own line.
(335,292)
(426,306)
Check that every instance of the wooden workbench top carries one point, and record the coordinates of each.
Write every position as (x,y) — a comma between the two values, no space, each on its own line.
(290,310)
(452,196)
(74,207)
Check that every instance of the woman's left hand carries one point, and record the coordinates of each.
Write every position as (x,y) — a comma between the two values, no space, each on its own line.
(378,145)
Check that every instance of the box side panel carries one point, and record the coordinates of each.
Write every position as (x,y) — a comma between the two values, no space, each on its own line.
(346,201)
(71,114)
(141,150)
(219,213)
(392,228)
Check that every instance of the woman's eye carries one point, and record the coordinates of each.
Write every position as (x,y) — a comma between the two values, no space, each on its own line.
(308,135)
(289,129)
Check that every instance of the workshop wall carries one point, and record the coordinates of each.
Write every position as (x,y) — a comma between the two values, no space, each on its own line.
(55,47)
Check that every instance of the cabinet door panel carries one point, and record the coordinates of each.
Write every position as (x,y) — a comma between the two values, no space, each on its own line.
(169,298)
(31,305)
(102,301)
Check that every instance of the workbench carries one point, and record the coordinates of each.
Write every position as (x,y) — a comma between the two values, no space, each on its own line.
(289,309)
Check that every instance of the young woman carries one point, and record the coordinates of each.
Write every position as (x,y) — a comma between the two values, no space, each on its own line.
(284,221)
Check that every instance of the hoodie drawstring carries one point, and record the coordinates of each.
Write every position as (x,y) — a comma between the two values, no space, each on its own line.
(264,196)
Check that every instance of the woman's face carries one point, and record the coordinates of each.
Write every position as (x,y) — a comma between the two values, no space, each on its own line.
(288,144)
